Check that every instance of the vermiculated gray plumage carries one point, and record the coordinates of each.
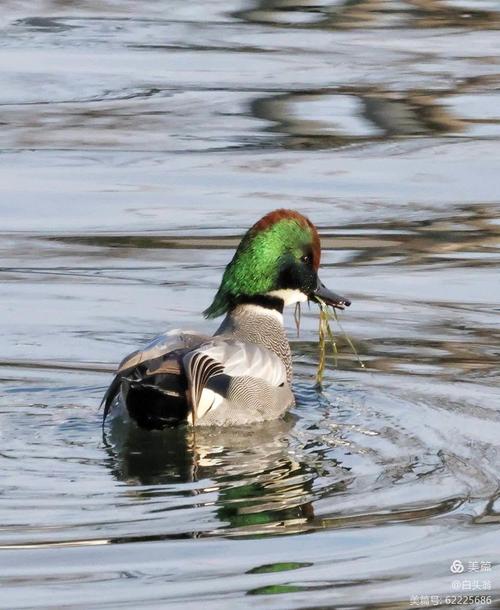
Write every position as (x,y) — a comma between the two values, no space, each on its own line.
(241,375)
(252,326)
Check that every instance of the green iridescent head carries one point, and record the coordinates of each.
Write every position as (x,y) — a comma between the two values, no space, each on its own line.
(280,252)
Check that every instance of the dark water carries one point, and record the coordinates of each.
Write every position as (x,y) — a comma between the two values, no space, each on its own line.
(138,141)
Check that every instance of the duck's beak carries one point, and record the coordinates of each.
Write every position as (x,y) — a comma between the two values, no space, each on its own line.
(329,297)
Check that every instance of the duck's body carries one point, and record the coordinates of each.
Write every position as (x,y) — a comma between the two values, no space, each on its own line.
(242,374)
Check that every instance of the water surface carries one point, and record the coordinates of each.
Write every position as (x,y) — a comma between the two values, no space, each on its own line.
(138,142)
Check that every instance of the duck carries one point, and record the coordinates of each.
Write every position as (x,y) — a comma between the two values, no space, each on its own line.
(242,374)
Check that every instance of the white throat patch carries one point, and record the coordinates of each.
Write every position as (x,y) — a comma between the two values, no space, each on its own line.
(289,296)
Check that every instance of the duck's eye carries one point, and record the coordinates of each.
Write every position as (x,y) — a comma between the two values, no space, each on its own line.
(306,259)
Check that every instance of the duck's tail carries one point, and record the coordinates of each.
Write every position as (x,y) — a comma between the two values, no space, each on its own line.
(110,396)
(155,403)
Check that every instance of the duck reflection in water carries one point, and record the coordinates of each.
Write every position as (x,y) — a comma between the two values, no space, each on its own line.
(260,487)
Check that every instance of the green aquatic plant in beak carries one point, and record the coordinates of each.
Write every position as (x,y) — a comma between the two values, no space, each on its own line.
(326,337)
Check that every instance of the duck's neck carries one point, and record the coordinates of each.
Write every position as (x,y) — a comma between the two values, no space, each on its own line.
(260,324)
(267,302)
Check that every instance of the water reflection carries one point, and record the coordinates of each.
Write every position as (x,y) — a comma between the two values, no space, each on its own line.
(249,474)
(325,118)
(314,118)
(467,353)
(470,236)
(349,14)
